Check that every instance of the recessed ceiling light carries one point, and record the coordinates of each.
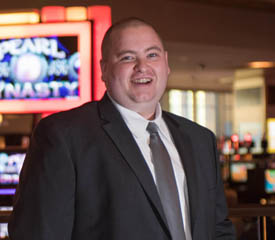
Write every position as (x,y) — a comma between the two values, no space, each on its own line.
(261,64)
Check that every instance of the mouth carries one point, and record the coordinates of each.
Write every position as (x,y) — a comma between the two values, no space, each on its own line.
(142,80)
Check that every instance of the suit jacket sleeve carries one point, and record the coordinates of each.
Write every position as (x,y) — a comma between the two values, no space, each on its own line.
(224,227)
(44,201)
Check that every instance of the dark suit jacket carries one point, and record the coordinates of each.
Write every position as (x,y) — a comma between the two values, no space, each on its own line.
(84,178)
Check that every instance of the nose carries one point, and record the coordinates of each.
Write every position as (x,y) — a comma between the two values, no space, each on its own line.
(141,65)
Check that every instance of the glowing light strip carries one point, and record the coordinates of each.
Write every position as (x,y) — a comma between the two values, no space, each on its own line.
(7,191)
(76,13)
(261,64)
(19,18)
(83,30)
(101,15)
(271,135)
(53,14)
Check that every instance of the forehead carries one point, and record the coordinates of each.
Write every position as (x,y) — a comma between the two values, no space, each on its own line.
(135,37)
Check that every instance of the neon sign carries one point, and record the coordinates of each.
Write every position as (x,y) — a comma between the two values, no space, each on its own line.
(88,34)
(44,46)
(39,67)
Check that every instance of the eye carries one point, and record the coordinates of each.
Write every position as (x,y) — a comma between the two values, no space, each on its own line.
(153,55)
(127,58)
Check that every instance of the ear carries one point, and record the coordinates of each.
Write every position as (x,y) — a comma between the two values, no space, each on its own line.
(103,69)
(166,58)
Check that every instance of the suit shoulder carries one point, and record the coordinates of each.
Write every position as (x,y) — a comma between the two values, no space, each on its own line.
(187,125)
(70,118)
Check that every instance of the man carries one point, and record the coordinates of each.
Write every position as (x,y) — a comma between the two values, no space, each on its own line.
(91,172)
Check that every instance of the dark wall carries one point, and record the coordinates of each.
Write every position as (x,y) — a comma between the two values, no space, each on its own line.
(180,21)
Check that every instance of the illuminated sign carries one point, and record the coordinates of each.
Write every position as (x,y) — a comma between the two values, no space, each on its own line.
(10,167)
(52,66)
(45,67)
(41,67)
(271,135)
(270,181)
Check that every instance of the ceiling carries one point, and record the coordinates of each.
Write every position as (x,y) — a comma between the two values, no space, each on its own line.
(211,65)
(265,5)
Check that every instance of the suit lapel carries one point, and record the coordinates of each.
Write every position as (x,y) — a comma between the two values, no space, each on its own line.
(184,147)
(118,131)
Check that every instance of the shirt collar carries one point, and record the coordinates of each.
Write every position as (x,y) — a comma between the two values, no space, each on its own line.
(135,122)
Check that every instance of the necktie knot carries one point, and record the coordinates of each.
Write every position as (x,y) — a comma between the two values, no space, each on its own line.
(152,128)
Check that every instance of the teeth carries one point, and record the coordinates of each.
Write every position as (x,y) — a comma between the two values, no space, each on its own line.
(142,80)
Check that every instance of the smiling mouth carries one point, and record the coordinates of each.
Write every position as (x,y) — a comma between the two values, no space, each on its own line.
(142,80)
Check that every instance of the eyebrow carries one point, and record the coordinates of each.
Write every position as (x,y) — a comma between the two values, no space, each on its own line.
(154,48)
(125,52)
(134,52)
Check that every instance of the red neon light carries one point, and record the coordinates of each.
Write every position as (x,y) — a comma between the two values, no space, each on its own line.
(53,14)
(43,115)
(80,29)
(235,138)
(248,137)
(237,157)
(101,15)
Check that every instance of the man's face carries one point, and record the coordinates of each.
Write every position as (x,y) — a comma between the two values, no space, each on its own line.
(136,69)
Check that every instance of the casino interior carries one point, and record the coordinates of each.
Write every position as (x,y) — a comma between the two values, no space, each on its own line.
(222,60)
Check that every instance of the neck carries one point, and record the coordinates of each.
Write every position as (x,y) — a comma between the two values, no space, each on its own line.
(146,110)
(148,116)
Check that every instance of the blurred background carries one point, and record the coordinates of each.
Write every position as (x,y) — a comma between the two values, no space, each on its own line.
(222,59)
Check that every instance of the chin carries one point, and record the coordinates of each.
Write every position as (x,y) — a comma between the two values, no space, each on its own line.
(144,98)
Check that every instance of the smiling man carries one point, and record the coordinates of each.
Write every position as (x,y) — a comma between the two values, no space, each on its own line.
(121,168)
(135,69)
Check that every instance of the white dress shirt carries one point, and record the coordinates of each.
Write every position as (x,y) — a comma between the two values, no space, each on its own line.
(137,125)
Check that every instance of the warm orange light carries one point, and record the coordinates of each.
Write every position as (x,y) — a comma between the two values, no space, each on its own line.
(271,135)
(53,14)
(76,13)
(19,17)
(261,64)
(101,16)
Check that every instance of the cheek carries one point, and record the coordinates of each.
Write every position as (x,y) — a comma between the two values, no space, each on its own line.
(122,74)
(163,72)
(163,77)
(119,78)
(168,70)
(117,71)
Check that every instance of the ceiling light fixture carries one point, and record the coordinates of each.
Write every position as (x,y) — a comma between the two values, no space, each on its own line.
(31,16)
(261,64)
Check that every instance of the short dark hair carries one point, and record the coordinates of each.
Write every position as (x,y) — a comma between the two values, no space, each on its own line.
(124,23)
